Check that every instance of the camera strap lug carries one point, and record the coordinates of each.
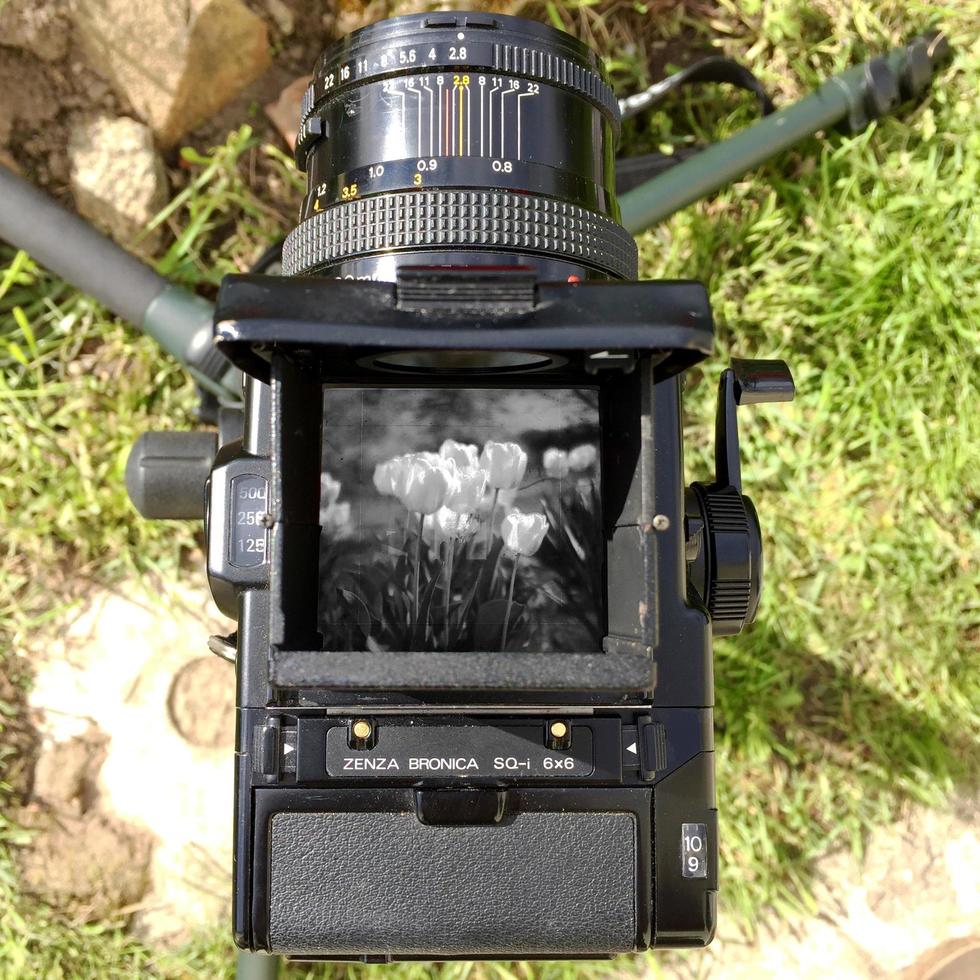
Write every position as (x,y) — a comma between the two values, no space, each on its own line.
(225,647)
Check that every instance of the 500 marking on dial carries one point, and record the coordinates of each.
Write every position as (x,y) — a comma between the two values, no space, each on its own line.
(249,494)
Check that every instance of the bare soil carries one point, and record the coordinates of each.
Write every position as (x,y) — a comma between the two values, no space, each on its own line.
(133,744)
(199,707)
(91,866)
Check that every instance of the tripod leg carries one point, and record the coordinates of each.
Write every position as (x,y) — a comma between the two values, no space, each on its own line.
(256,966)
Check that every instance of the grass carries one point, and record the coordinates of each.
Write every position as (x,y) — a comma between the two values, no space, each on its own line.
(854,258)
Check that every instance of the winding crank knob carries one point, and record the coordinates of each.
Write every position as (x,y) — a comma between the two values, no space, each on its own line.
(725,566)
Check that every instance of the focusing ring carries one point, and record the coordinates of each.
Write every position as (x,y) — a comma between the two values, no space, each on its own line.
(451,219)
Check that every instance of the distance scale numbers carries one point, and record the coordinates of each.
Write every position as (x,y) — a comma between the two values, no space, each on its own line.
(444,116)
(442,172)
(462,114)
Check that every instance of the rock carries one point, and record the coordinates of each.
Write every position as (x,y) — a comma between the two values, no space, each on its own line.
(347,16)
(916,888)
(282,15)
(38,28)
(90,865)
(175,63)
(284,112)
(117,179)
(9,162)
(29,100)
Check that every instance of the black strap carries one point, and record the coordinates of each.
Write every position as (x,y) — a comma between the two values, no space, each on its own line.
(718,69)
(713,69)
(636,170)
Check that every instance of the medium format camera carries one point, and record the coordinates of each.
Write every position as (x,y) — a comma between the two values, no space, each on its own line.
(474,599)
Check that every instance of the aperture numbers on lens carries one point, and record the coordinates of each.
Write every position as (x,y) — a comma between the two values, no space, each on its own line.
(425,172)
(390,60)
(332,78)
(403,58)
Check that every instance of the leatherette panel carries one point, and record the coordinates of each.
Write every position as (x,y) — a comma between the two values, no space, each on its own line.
(540,883)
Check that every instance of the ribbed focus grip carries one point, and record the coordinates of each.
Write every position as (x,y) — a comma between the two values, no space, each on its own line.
(455,219)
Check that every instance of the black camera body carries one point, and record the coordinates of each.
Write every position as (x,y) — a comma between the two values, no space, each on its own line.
(402,805)
(475,695)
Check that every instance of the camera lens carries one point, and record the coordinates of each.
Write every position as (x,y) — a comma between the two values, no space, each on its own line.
(459,139)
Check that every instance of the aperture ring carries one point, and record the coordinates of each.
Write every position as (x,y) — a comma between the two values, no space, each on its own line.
(451,219)
(516,60)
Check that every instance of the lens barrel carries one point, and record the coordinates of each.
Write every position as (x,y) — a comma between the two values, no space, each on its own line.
(459,139)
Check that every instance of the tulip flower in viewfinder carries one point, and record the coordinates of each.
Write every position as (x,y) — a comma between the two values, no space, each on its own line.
(447,525)
(452,524)
(420,484)
(523,533)
(465,455)
(487,502)
(505,463)
(398,474)
(556,463)
(467,490)
(384,476)
(583,457)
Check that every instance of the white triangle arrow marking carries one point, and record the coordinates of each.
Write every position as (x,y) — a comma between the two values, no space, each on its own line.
(631,748)
(287,748)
